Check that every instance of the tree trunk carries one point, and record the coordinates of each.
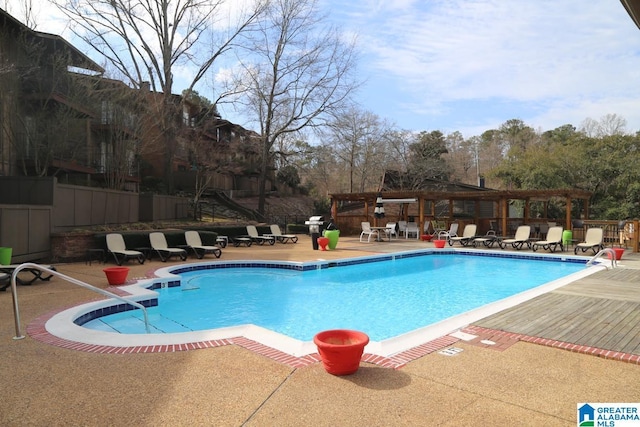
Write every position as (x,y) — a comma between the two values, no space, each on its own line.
(262,180)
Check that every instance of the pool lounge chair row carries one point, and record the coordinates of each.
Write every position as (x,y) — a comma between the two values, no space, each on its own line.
(282,238)
(116,247)
(271,238)
(521,238)
(553,240)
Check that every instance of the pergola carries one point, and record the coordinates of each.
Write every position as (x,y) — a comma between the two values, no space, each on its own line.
(501,197)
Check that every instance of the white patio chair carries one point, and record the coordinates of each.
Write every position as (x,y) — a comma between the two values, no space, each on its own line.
(366,230)
(412,228)
(390,231)
(402,227)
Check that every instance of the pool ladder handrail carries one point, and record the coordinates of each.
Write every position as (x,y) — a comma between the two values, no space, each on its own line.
(14,294)
(612,256)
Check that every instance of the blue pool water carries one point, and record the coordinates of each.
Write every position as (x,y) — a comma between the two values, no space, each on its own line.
(384,299)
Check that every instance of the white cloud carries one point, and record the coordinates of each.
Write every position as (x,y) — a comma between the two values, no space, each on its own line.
(473,64)
(47,17)
(580,55)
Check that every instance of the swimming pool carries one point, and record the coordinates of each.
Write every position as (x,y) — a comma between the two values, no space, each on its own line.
(383,299)
(443,267)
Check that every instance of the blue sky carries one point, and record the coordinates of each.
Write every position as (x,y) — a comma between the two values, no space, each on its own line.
(471,65)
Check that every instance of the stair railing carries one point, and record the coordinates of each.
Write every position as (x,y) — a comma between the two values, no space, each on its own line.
(14,294)
(611,253)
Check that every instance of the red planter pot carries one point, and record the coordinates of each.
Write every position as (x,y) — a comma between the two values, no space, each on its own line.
(323,242)
(439,243)
(618,251)
(426,237)
(341,350)
(116,275)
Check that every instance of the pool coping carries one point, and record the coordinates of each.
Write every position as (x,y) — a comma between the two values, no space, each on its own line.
(58,328)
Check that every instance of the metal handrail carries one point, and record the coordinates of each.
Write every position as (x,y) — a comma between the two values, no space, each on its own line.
(14,294)
(612,255)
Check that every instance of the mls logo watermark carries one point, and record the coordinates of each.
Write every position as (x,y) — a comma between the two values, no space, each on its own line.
(608,415)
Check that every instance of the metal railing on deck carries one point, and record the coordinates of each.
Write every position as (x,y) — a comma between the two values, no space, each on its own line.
(14,294)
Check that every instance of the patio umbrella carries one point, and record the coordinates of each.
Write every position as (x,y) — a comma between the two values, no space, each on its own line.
(379,210)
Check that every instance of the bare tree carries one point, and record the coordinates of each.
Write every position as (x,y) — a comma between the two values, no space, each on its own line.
(399,142)
(147,40)
(357,138)
(463,157)
(298,69)
(118,138)
(205,162)
(609,124)
(322,172)
(286,147)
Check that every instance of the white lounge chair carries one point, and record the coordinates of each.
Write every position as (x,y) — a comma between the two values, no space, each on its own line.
(195,244)
(159,245)
(255,237)
(551,242)
(451,233)
(523,235)
(117,248)
(487,240)
(282,238)
(592,240)
(367,231)
(468,234)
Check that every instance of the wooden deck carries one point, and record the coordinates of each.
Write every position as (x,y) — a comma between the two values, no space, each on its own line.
(602,310)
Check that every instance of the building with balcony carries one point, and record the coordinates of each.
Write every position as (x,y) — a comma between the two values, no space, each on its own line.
(62,117)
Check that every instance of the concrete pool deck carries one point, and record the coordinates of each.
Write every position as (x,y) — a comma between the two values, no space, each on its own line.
(520,383)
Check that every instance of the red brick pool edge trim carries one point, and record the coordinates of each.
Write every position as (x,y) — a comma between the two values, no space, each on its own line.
(37,331)
(576,348)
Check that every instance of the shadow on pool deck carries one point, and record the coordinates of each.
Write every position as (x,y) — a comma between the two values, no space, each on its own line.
(523,383)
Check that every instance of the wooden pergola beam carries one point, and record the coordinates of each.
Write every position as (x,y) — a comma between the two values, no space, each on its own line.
(494,195)
(501,197)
